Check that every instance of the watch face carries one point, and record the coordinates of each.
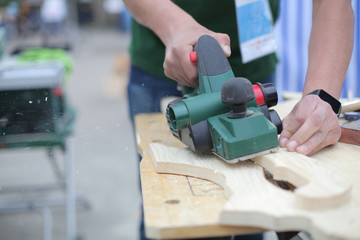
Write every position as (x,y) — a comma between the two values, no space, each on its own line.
(334,103)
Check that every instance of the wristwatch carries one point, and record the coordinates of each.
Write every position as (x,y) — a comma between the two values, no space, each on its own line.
(334,103)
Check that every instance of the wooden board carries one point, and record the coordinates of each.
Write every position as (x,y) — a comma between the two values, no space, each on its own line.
(323,203)
(349,106)
(177,206)
(350,132)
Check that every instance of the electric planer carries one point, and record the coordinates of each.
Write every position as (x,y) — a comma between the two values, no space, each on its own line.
(226,115)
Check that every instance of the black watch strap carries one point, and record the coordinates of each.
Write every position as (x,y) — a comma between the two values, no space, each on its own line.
(334,103)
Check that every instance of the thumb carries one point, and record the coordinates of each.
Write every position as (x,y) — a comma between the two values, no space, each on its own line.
(226,50)
(224,41)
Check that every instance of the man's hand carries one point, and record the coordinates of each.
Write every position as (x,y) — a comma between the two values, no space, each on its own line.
(177,64)
(179,32)
(311,126)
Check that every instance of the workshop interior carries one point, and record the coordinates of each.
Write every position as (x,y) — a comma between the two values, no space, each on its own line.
(68,156)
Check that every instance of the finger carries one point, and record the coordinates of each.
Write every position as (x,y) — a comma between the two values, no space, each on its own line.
(190,70)
(182,79)
(178,66)
(291,124)
(185,78)
(313,143)
(227,50)
(320,140)
(224,41)
(189,75)
(332,138)
(285,133)
(296,118)
(314,126)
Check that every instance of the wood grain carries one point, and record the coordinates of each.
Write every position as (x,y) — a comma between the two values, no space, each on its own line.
(253,201)
(350,133)
(177,206)
(319,186)
(350,106)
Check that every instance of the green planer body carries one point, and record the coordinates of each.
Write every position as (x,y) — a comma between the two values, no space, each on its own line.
(225,115)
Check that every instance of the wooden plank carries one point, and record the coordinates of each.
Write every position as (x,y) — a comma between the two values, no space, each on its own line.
(204,222)
(177,206)
(350,106)
(350,133)
(317,188)
(323,203)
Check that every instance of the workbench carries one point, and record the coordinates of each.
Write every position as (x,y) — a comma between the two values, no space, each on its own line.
(179,206)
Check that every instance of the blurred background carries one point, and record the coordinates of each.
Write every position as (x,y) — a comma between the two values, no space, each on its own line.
(92,72)
(95,37)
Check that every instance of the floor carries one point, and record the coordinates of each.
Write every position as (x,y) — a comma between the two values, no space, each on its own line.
(106,171)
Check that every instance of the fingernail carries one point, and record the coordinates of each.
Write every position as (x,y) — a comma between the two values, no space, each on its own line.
(227,50)
(292,145)
(303,149)
(283,141)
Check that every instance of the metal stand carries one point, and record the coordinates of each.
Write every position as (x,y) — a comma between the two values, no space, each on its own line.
(65,182)
(34,113)
(70,192)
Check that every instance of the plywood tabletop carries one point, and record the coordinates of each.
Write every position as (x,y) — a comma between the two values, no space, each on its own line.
(178,206)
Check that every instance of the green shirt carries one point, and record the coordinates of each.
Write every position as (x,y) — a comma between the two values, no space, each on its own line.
(148,52)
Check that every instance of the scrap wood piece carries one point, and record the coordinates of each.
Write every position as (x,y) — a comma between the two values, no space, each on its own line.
(177,206)
(253,201)
(349,106)
(350,133)
(318,187)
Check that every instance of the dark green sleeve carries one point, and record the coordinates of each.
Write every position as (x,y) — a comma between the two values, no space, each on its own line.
(148,52)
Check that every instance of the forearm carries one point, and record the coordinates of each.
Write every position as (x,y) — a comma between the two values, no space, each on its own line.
(163,17)
(330,46)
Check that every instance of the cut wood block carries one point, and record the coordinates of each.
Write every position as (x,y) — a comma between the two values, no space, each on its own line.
(350,132)
(350,106)
(323,203)
(178,206)
(318,186)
